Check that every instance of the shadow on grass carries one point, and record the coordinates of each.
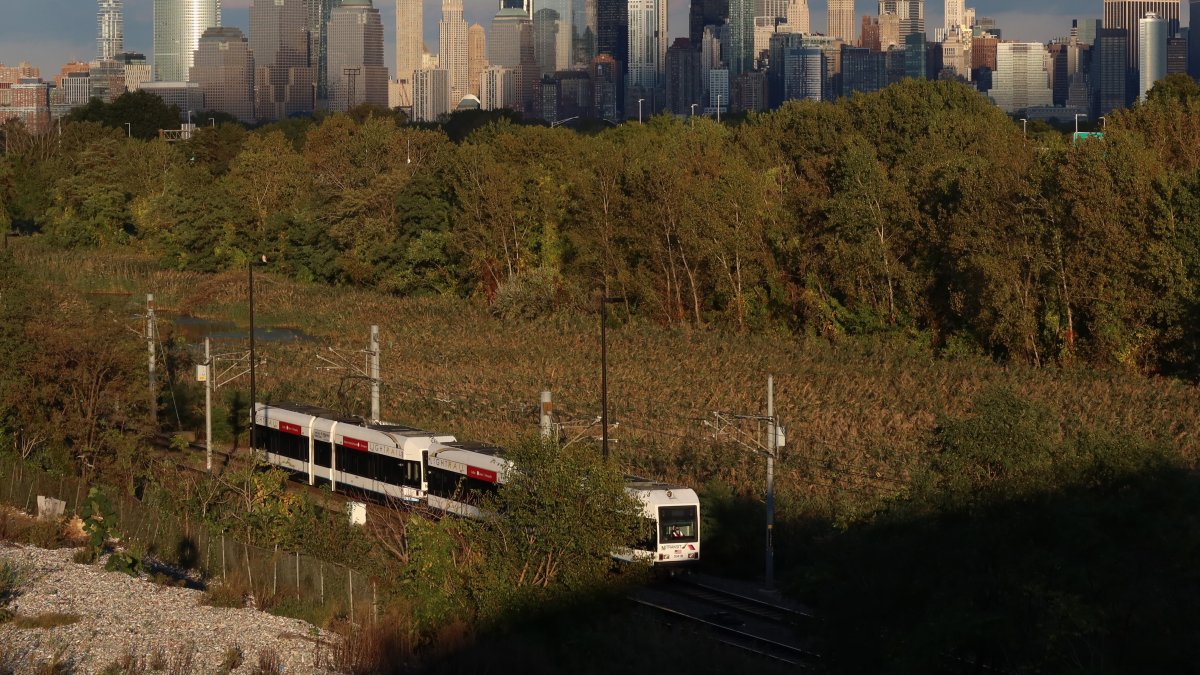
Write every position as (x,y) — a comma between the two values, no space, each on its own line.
(1100,576)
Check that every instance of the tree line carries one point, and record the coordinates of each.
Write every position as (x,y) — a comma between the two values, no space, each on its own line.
(921,209)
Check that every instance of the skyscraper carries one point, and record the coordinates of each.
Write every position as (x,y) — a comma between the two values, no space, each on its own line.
(1109,66)
(740,54)
(841,20)
(612,30)
(510,44)
(910,13)
(644,62)
(1126,13)
(284,81)
(496,89)
(110,30)
(223,66)
(178,25)
(798,18)
(318,43)
(452,49)
(1020,79)
(431,94)
(1152,52)
(355,57)
(1194,39)
(476,58)
(703,13)
(583,33)
(955,17)
(409,45)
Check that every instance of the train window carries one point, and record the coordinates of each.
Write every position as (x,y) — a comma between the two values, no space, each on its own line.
(647,539)
(443,483)
(322,453)
(677,524)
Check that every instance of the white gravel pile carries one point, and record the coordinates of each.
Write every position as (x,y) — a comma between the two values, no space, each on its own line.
(121,615)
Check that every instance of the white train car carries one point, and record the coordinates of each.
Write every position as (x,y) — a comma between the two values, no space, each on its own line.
(410,464)
(385,459)
(671,532)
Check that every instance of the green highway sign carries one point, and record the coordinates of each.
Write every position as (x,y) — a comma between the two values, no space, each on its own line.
(1088,134)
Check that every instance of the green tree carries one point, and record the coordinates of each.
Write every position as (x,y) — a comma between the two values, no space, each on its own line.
(145,112)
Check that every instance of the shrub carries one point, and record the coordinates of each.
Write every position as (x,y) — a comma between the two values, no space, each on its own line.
(232,659)
(268,663)
(229,593)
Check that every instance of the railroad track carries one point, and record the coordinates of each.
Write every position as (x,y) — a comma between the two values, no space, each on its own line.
(752,625)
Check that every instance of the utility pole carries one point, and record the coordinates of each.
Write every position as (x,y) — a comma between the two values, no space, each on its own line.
(547,409)
(374,352)
(151,338)
(770,551)
(208,377)
(604,302)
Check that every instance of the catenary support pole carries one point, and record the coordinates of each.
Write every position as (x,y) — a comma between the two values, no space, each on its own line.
(208,385)
(771,435)
(375,416)
(151,339)
(547,409)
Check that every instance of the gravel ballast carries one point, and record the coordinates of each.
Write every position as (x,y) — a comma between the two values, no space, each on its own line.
(120,615)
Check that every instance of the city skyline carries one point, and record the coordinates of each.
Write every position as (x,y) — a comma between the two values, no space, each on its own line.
(56,31)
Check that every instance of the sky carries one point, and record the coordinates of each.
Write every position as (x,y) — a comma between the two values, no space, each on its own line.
(49,33)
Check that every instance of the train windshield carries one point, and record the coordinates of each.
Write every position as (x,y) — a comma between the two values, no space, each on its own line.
(677,525)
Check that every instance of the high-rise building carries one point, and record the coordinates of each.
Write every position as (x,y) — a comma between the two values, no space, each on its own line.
(955,17)
(868,36)
(178,25)
(1058,68)
(660,26)
(799,19)
(1110,63)
(683,77)
(28,99)
(915,56)
(863,70)
(1126,13)
(703,13)
(740,52)
(355,56)
(431,94)
(910,14)
(644,65)
(1152,52)
(510,44)
(841,20)
(476,58)
(409,45)
(107,78)
(1084,31)
(318,43)
(583,33)
(1177,54)
(496,88)
(607,87)
(110,30)
(223,66)
(1020,80)
(284,79)
(889,31)
(452,49)
(186,96)
(136,70)
(612,30)
(1194,39)
(803,73)
(552,36)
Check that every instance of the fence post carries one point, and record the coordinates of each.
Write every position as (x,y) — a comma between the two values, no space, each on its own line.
(297,575)
(223,577)
(249,574)
(275,572)
(374,602)
(78,487)
(350,583)
(322,574)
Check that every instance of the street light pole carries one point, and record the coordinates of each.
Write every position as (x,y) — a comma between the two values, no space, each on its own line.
(718,108)
(694,115)
(604,302)
(1077,116)
(1103,123)
(640,110)
(128,130)
(1024,123)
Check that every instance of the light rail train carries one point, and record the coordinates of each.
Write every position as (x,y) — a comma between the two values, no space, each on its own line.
(404,463)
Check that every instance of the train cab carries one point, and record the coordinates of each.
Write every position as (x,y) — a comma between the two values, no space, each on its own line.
(670,534)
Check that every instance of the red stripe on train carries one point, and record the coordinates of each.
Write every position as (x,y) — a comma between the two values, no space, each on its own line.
(355,444)
(293,429)
(481,474)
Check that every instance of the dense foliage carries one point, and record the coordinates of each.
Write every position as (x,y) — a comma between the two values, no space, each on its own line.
(918,207)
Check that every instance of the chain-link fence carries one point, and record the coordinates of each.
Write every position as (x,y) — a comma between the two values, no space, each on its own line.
(272,576)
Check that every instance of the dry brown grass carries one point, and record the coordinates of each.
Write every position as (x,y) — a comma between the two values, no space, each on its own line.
(859,413)
(44,621)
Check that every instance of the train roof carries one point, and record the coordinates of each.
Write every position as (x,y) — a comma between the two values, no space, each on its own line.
(314,411)
(476,446)
(639,483)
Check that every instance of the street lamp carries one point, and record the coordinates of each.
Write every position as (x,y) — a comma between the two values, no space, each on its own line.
(1024,122)
(1103,123)
(128,130)
(718,108)
(694,115)
(640,110)
(253,383)
(1077,116)
(604,303)
(563,121)
(212,122)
